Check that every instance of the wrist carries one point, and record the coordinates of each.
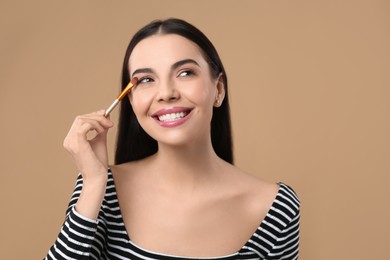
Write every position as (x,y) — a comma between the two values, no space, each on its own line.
(91,196)
(97,179)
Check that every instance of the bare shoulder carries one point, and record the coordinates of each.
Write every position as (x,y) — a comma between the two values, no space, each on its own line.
(248,197)
(256,193)
(134,165)
(252,183)
(129,170)
(119,171)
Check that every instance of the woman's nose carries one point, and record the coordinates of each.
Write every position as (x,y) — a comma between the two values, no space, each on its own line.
(167,92)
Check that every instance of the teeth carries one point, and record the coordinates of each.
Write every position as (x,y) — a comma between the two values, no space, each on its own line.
(172,117)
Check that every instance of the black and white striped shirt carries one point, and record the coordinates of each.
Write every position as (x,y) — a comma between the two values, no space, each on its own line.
(277,237)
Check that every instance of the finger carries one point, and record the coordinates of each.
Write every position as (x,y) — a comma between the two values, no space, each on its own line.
(90,125)
(106,120)
(106,123)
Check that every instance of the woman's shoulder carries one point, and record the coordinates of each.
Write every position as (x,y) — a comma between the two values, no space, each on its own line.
(261,195)
(251,184)
(130,171)
(129,166)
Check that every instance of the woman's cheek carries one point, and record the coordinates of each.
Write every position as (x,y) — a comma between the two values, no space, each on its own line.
(139,109)
(202,96)
(140,101)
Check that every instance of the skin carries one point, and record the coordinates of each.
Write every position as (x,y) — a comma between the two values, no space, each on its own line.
(184,200)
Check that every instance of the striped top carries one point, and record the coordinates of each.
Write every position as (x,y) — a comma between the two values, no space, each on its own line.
(277,237)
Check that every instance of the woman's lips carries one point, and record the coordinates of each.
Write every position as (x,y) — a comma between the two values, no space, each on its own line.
(173,116)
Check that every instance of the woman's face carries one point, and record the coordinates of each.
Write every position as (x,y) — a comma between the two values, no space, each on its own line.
(175,95)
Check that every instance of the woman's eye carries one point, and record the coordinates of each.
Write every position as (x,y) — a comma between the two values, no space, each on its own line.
(185,73)
(145,80)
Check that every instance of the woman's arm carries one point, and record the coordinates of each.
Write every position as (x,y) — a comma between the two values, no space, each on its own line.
(90,156)
(77,238)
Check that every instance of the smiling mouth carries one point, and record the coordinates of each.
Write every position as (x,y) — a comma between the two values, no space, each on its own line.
(173,116)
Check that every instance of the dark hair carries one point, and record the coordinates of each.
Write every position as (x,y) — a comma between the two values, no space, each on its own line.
(133,143)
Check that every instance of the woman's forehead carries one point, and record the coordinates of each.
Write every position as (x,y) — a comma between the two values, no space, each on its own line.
(164,49)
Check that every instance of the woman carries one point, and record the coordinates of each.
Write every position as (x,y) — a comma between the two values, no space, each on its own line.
(173,193)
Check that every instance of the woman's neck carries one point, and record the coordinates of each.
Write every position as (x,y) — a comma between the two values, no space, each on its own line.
(186,167)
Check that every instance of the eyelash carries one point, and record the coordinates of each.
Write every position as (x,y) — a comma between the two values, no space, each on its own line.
(188,72)
(142,80)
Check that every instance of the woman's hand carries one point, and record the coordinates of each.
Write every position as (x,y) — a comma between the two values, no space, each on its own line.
(90,155)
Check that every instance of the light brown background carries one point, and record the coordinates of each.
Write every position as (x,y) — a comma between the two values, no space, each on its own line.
(309,85)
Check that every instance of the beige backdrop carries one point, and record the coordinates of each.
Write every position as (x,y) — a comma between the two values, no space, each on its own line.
(310,91)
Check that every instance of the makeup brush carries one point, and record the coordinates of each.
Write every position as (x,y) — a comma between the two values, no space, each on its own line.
(127,89)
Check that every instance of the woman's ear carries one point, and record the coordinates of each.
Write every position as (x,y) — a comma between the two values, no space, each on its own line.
(220,91)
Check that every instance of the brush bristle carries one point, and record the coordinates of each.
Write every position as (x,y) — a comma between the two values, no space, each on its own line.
(127,89)
(134,81)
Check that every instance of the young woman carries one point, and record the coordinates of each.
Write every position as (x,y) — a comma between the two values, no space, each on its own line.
(174,192)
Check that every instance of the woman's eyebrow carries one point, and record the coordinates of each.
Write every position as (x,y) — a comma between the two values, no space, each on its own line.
(182,62)
(142,70)
(173,67)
